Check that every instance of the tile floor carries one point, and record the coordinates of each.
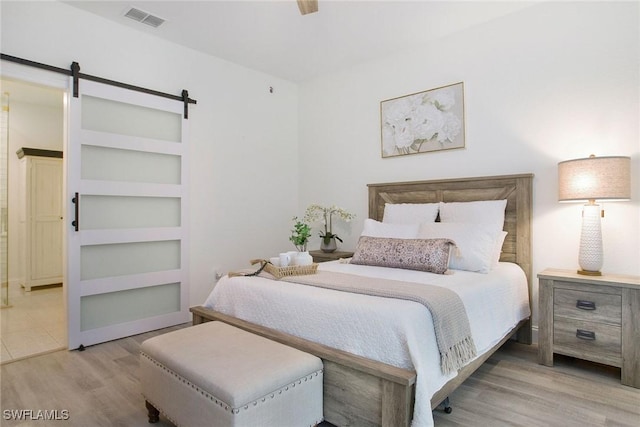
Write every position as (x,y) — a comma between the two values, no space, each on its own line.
(34,324)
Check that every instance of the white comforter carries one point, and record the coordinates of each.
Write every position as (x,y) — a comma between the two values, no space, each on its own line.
(392,331)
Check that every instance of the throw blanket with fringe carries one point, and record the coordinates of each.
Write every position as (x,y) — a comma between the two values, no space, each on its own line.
(453,333)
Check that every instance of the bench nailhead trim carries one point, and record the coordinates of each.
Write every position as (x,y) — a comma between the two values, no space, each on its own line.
(216,400)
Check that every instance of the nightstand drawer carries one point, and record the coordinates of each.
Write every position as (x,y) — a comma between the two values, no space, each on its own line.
(587,306)
(594,341)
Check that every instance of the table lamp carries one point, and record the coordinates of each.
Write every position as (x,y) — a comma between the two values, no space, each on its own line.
(590,179)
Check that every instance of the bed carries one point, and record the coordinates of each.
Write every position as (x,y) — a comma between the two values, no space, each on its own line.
(362,390)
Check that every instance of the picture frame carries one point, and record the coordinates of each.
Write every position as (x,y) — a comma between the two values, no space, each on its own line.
(427,121)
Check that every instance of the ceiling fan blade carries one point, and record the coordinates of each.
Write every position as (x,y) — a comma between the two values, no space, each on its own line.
(307,6)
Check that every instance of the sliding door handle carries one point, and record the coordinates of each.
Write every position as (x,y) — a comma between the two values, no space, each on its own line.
(76,220)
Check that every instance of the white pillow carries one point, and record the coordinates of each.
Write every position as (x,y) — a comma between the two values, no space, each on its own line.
(476,243)
(373,228)
(410,213)
(497,250)
(480,212)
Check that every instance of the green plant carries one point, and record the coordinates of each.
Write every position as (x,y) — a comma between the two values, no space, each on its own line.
(300,234)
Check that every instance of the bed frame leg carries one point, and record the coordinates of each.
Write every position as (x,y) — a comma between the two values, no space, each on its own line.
(152,413)
(447,405)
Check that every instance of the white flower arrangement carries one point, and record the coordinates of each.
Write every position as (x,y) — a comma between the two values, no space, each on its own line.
(325,214)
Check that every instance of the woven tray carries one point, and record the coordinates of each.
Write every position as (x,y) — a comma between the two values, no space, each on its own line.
(295,270)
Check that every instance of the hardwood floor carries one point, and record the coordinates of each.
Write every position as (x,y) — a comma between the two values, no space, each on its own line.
(511,389)
(99,387)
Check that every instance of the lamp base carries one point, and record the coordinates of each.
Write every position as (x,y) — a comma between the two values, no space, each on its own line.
(589,273)
(590,255)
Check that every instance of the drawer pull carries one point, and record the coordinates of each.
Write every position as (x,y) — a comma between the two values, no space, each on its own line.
(585,305)
(585,335)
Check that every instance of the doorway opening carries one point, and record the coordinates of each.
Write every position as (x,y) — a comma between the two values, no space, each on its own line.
(34,318)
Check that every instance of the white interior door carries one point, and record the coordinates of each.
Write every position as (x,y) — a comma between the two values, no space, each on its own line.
(127,261)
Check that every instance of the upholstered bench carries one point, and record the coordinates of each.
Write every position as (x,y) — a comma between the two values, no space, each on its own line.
(215,374)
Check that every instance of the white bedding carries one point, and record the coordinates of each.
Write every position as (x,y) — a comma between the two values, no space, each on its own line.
(393,331)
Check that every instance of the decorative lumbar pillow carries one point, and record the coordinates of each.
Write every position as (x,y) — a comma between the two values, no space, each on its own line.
(475,243)
(480,212)
(373,228)
(410,213)
(431,255)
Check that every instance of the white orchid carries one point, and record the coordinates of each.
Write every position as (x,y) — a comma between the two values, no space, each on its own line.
(325,214)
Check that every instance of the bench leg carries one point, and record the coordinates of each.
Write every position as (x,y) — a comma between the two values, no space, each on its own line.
(152,413)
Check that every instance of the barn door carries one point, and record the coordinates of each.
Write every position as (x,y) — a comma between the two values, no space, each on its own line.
(127,214)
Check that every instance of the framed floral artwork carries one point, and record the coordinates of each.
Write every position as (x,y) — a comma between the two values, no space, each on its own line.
(432,120)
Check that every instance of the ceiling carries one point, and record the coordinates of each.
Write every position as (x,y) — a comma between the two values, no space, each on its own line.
(30,93)
(272,36)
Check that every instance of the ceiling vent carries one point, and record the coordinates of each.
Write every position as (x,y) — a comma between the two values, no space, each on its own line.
(144,17)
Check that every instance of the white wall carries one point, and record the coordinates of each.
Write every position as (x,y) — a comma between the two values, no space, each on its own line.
(549,83)
(242,151)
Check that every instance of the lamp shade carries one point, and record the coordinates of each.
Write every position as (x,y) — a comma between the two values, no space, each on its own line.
(594,178)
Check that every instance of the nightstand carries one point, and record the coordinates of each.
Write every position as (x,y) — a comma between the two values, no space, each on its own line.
(319,256)
(594,318)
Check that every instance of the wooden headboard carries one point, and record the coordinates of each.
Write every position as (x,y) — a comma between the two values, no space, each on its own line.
(517,189)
